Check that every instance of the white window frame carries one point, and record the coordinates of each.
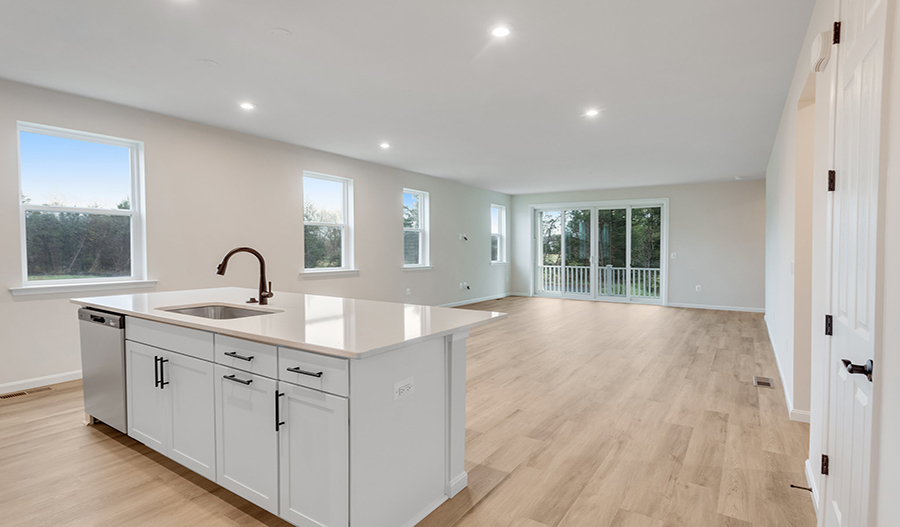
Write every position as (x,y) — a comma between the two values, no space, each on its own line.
(501,253)
(346,225)
(423,230)
(138,220)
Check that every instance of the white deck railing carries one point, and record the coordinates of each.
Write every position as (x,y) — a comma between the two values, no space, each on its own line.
(645,283)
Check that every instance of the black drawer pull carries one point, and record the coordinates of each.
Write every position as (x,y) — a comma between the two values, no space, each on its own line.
(235,379)
(278,421)
(156,371)
(304,372)
(236,356)
(162,374)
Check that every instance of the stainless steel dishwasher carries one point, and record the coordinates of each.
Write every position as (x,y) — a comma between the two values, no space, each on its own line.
(103,366)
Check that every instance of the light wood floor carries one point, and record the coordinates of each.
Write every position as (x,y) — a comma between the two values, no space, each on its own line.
(579,414)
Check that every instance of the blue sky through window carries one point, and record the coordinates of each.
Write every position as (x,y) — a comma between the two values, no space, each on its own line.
(73,173)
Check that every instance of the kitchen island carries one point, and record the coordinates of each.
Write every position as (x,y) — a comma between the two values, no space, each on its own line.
(325,411)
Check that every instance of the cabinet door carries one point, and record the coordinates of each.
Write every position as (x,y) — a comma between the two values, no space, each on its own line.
(147,409)
(246,440)
(315,454)
(191,412)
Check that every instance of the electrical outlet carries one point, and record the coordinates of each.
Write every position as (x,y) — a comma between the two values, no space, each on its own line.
(407,291)
(404,388)
(698,288)
(460,285)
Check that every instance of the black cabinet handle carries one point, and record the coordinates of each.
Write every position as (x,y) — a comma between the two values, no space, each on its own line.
(156,371)
(162,373)
(856,369)
(304,372)
(278,421)
(235,379)
(236,356)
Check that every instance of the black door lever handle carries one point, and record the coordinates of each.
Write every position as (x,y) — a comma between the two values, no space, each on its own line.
(856,369)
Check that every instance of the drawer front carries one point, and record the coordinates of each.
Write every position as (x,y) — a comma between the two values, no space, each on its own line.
(190,342)
(248,356)
(329,374)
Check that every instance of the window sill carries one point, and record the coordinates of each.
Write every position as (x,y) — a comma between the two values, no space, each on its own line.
(417,267)
(499,263)
(49,289)
(307,274)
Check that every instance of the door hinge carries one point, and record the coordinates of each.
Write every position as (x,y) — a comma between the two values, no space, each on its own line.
(829,325)
(824,465)
(837,33)
(832,180)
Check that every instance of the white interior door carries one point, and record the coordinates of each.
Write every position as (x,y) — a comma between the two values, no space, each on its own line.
(854,249)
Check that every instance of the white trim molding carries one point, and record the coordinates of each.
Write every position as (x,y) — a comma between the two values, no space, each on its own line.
(328,273)
(52,288)
(476,300)
(801,416)
(811,481)
(718,308)
(37,382)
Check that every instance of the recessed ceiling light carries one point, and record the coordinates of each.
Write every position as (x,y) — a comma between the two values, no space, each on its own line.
(209,63)
(501,31)
(248,105)
(592,112)
(385,145)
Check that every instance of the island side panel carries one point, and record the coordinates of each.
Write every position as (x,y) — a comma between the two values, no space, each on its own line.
(398,445)
(455,357)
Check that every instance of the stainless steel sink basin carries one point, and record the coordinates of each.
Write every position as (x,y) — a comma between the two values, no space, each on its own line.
(219,311)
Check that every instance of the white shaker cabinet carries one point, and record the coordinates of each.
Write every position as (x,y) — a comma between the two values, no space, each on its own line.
(315,457)
(246,439)
(146,401)
(192,427)
(171,405)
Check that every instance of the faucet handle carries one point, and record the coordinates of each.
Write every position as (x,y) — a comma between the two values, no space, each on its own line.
(269,293)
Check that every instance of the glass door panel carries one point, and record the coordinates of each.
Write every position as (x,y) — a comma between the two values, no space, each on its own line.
(612,247)
(549,264)
(646,236)
(577,253)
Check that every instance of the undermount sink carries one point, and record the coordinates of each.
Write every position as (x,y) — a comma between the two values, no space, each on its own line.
(219,311)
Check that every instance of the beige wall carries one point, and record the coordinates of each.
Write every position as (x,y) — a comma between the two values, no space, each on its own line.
(717,231)
(209,190)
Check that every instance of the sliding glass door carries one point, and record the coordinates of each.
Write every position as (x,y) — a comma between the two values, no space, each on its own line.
(604,252)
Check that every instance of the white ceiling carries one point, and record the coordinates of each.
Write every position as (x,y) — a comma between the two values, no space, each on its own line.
(691,90)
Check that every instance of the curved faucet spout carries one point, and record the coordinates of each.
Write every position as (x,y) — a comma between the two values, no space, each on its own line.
(265,293)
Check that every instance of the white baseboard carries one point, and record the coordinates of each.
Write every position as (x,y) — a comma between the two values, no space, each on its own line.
(425,512)
(811,481)
(719,308)
(518,294)
(800,415)
(474,300)
(37,382)
(456,486)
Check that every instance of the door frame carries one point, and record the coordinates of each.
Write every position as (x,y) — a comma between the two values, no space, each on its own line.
(663,203)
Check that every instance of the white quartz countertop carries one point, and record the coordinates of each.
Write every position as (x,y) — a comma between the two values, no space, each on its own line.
(343,327)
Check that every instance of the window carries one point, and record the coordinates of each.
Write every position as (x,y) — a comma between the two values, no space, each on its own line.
(415,228)
(327,222)
(498,234)
(80,205)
